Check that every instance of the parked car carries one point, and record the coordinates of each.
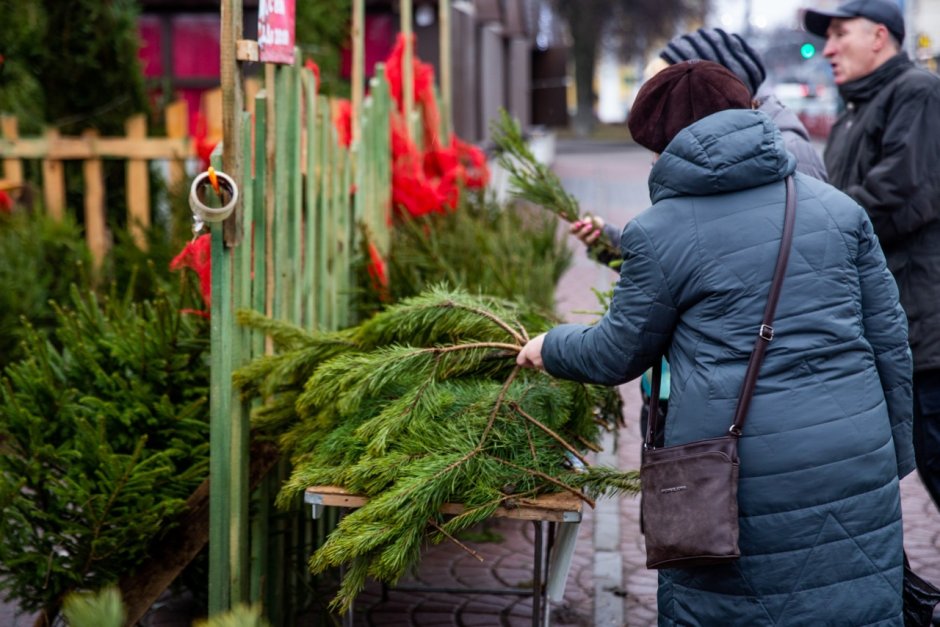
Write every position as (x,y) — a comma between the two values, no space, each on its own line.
(817,106)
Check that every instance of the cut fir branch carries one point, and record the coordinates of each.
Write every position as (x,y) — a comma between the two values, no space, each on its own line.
(534,182)
(425,405)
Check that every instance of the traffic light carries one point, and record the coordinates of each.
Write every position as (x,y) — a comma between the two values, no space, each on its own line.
(807,50)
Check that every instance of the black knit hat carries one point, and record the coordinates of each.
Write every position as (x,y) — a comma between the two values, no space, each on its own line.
(714,44)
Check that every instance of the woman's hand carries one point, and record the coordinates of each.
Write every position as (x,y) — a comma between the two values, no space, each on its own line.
(531,354)
(588,229)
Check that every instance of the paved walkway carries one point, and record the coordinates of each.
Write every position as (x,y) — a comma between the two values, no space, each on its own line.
(608,584)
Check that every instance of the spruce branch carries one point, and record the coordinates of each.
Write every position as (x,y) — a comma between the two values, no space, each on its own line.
(534,182)
(417,407)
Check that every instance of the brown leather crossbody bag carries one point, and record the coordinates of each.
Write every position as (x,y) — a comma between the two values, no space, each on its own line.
(690,491)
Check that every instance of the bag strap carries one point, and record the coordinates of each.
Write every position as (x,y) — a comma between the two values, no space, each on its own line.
(764,334)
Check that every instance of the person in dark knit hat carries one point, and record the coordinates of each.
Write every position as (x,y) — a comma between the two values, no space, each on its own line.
(828,433)
(731,51)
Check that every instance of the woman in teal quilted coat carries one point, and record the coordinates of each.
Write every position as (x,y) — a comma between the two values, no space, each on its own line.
(828,434)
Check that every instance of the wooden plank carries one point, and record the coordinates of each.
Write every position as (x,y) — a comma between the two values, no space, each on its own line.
(281,229)
(88,147)
(270,80)
(358,65)
(446,67)
(407,70)
(138,185)
(295,192)
(325,241)
(179,547)
(558,507)
(53,183)
(233,103)
(246,50)
(259,546)
(259,290)
(96,234)
(176,118)
(12,167)
(220,432)
(241,353)
(311,295)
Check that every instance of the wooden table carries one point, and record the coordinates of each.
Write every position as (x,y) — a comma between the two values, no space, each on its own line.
(560,512)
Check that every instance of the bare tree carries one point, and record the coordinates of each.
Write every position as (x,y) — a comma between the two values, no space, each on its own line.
(636,25)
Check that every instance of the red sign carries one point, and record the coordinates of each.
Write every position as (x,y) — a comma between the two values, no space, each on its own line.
(276,31)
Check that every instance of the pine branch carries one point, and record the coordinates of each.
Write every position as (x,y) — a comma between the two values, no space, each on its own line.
(535,182)
(419,406)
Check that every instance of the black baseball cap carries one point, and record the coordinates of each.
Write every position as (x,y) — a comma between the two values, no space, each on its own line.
(885,12)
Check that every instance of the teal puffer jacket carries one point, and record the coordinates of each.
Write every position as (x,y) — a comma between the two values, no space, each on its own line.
(828,434)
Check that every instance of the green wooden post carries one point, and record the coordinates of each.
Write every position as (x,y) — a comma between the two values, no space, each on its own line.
(241,353)
(262,497)
(295,181)
(325,210)
(312,296)
(281,227)
(220,433)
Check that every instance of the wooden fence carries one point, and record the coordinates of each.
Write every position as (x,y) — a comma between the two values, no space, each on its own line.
(135,147)
(305,201)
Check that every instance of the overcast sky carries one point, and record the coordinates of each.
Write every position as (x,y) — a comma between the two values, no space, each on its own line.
(729,14)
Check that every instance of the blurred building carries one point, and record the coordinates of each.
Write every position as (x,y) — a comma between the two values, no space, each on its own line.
(499,57)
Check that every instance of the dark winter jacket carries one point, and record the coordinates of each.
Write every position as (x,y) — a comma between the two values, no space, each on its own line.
(828,434)
(884,151)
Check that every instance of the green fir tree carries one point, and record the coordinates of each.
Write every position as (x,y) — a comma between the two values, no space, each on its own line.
(104,435)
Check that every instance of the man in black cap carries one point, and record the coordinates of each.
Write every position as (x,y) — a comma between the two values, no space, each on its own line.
(884,152)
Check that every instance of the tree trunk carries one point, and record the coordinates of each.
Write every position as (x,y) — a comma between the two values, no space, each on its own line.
(141,589)
(585,20)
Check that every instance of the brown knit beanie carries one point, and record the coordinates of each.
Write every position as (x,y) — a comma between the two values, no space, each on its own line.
(680,95)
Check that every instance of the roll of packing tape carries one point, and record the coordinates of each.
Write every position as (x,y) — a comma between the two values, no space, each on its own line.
(197,197)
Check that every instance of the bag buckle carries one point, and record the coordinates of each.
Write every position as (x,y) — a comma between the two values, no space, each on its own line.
(766,332)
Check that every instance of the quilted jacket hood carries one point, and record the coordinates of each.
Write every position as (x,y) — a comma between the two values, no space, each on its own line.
(724,152)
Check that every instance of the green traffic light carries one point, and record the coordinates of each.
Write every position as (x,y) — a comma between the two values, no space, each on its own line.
(807,50)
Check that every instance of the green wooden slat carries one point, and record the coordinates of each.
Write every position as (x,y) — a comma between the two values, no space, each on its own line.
(241,354)
(281,223)
(349,236)
(311,296)
(220,434)
(260,234)
(262,497)
(336,229)
(325,243)
(295,198)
